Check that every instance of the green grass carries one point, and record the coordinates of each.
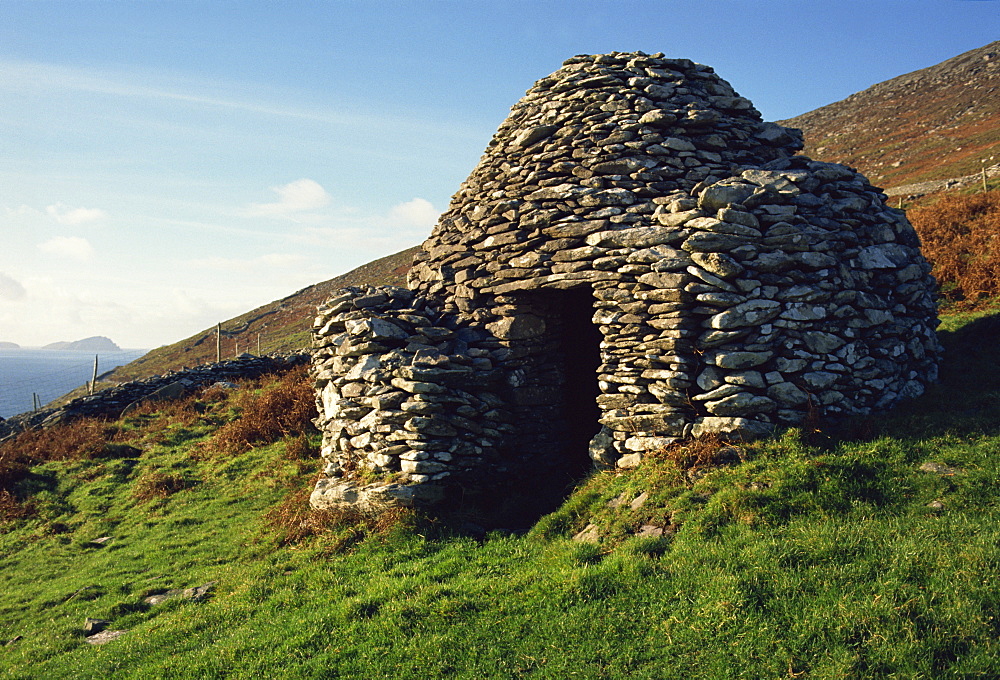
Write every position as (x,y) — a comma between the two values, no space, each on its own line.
(820,554)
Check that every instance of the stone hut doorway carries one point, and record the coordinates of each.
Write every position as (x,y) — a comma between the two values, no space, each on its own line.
(556,406)
(580,358)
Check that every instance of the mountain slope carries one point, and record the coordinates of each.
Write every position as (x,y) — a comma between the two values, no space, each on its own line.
(280,326)
(935,123)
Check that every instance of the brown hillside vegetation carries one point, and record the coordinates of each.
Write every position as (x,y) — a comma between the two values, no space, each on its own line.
(935,123)
(286,408)
(960,235)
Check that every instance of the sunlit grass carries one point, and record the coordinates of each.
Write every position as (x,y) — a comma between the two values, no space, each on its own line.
(825,553)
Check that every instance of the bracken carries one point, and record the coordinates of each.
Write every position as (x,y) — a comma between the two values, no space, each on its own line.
(959,235)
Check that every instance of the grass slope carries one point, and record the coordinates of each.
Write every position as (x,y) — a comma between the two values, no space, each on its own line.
(821,554)
(282,326)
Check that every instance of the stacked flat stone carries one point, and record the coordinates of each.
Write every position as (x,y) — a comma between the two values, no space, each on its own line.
(736,287)
(401,393)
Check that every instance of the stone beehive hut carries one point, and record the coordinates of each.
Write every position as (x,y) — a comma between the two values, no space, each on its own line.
(637,257)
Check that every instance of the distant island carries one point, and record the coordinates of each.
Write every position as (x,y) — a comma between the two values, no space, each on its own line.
(9,345)
(98,343)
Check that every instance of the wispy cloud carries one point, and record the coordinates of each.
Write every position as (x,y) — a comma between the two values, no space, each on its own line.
(302,195)
(416,213)
(27,75)
(404,225)
(257,264)
(69,247)
(74,216)
(60,213)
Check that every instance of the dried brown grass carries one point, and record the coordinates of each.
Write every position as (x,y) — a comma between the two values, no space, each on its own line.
(960,235)
(299,448)
(158,485)
(294,521)
(79,440)
(10,508)
(693,454)
(285,409)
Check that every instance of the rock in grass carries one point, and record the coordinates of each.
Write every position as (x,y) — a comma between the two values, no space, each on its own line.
(195,593)
(105,636)
(590,534)
(94,626)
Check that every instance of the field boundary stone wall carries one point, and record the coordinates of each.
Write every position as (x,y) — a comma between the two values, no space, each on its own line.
(113,401)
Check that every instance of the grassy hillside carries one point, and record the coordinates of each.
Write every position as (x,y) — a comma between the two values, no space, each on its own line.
(935,123)
(867,550)
(281,326)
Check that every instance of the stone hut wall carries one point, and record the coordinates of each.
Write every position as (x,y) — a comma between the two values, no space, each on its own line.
(403,394)
(637,250)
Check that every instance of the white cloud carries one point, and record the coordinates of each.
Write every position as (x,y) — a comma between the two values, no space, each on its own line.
(404,225)
(11,289)
(302,195)
(416,213)
(74,216)
(71,247)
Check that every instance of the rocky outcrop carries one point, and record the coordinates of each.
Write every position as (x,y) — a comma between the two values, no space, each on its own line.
(636,258)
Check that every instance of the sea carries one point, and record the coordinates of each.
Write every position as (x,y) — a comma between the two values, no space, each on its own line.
(30,376)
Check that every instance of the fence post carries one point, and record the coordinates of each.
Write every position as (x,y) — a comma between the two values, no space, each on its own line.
(258,344)
(93,383)
(984,174)
(218,342)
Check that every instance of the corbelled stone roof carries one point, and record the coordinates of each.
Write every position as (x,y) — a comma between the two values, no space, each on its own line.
(589,148)
(633,219)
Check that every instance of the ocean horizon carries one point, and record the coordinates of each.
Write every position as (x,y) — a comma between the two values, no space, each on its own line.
(30,372)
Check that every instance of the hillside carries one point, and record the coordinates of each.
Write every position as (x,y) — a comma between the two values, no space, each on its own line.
(280,326)
(867,551)
(935,123)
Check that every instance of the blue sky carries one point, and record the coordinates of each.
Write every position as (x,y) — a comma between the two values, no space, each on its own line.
(167,165)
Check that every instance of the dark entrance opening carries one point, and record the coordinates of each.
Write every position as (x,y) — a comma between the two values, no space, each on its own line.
(557,412)
(579,358)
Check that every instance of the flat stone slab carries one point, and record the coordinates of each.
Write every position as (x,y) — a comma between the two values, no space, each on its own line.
(940,469)
(590,534)
(105,636)
(195,593)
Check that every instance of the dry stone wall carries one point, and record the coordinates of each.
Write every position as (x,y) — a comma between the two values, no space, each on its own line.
(116,400)
(402,393)
(637,257)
